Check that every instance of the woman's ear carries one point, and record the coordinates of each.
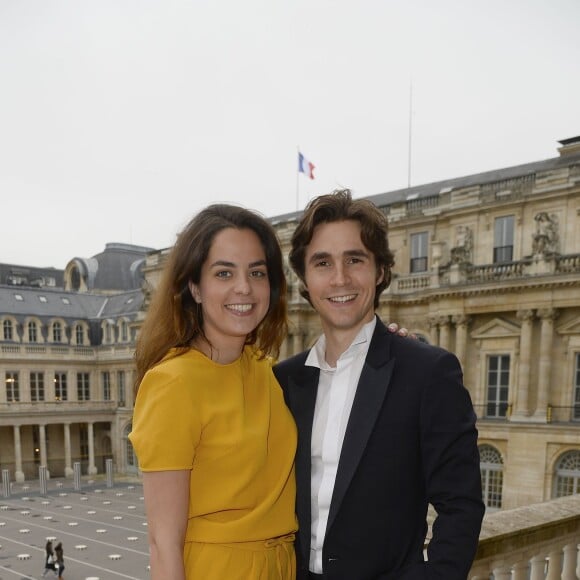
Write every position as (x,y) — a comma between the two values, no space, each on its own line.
(194,289)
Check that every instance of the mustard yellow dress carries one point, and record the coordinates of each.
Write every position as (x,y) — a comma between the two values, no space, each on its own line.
(229,425)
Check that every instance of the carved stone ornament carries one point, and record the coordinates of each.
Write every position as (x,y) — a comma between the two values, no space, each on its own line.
(461,252)
(546,239)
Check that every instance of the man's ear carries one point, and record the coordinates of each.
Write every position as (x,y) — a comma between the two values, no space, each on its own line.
(380,275)
(194,289)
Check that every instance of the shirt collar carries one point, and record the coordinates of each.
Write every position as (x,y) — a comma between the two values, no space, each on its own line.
(316,358)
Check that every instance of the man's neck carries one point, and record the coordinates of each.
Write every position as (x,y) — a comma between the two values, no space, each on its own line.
(338,341)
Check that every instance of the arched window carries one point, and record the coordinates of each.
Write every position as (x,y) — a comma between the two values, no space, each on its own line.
(491,465)
(7,328)
(32,332)
(57,332)
(567,477)
(79,334)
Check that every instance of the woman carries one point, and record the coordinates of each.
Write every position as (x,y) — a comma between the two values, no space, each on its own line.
(48,559)
(214,438)
(58,552)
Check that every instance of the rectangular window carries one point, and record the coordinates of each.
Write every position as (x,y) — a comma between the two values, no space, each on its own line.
(60,388)
(576,413)
(36,387)
(7,326)
(79,334)
(32,332)
(121,387)
(498,379)
(83,387)
(106,384)
(12,387)
(503,239)
(419,248)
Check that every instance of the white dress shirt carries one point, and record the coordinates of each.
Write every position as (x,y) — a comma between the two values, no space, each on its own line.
(336,391)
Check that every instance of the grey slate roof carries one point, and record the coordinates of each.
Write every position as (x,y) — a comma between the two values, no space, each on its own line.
(46,303)
(118,267)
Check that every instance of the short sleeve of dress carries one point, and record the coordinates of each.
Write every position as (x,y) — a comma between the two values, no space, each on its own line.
(166,424)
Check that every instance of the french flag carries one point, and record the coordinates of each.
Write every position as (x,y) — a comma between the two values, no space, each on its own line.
(305,166)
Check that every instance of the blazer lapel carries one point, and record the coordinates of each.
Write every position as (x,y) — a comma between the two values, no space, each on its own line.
(302,389)
(370,394)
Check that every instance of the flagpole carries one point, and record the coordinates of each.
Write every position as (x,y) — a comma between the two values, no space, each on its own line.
(297,177)
(410,132)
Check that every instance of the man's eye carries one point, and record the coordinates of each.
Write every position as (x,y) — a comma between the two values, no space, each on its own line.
(355,260)
(321,264)
(258,274)
(223,274)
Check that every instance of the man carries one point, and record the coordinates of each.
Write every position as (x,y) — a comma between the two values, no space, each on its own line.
(385,425)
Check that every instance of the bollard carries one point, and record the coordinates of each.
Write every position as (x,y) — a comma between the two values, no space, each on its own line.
(6,483)
(109,470)
(77,475)
(42,472)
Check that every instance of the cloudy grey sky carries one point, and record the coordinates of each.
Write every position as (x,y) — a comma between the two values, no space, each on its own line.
(119,119)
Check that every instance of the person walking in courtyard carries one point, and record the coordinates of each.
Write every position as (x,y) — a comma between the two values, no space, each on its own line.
(49,559)
(59,555)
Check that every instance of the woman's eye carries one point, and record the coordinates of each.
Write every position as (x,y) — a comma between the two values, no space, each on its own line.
(321,264)
(258,274)
(223,274)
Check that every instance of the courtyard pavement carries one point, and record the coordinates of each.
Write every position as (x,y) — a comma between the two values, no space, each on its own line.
(103,530)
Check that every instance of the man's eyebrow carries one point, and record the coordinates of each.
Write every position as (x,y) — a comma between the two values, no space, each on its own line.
(319,256)
(360,253)
(348,253)
(226,264)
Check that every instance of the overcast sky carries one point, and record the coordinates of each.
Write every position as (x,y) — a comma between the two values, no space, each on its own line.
(119,119)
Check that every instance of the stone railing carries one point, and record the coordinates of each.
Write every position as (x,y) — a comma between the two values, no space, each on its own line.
(568,264)
(536,542)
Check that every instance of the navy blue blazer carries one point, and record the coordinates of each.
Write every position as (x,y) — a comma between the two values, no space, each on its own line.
(410,440)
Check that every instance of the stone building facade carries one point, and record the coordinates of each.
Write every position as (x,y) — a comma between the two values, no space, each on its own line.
(488,266)
(67,341)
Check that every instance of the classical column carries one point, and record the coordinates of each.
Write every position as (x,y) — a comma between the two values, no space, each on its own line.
(555,565)
(502,573)
(91,436)
(283,349)
(537,570)
(42,437)
(297,343)
(433,330)
(547,316)
(570,561)
(461,322)
(19,475)
(521,570)
(444,332)
(68,471)
(521,404)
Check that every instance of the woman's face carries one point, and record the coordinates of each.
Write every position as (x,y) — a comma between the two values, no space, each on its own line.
(234,290)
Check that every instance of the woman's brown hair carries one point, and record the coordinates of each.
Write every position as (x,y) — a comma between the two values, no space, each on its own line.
(339,206)
(174,319)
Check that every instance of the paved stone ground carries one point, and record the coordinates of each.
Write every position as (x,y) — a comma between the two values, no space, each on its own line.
(103,530)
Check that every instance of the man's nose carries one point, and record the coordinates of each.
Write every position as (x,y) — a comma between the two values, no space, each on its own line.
(340,276)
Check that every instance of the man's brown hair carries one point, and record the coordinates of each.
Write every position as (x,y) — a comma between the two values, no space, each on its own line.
(339,206)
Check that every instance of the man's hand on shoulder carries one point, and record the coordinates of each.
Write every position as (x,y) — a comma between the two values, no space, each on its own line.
(394,328)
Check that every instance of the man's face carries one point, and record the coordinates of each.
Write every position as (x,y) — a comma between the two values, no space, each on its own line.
(341,277)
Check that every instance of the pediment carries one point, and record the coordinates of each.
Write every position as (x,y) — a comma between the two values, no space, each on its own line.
(496,328)
(571,327)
